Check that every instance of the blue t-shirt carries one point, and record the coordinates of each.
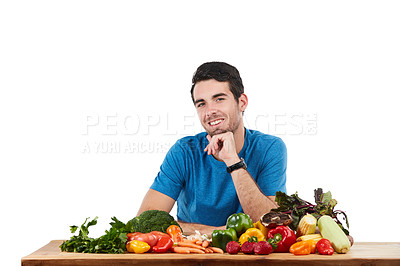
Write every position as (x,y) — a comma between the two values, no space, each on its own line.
(202,187)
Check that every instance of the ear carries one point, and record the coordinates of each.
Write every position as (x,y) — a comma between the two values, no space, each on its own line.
(243,101)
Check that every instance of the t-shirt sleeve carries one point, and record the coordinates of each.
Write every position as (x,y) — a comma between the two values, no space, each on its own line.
(170,178)
(272,177)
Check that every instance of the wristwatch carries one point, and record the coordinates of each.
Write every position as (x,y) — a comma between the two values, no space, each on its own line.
(236,166)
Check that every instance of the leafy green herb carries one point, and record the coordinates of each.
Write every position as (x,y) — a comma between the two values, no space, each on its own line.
(113,241)
(298,207)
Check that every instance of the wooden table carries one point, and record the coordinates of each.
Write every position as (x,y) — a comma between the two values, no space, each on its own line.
(364,253)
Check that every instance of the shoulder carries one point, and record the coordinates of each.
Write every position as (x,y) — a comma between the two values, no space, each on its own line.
(269,151)
(257,137)
(265,143)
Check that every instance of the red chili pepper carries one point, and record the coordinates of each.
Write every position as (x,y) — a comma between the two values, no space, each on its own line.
(281,238)
(324,247)
(164,244)
(158,233)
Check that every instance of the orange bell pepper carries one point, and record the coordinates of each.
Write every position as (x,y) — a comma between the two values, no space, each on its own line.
(301,248)
(175,233)
(313,245)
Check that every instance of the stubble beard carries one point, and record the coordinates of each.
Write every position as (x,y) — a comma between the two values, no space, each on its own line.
(231,128)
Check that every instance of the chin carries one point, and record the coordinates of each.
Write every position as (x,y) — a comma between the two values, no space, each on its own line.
(216,132)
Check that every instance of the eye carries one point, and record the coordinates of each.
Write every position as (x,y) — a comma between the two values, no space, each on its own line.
(220,99)
(200,105)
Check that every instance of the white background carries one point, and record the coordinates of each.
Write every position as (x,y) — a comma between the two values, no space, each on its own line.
(320,75)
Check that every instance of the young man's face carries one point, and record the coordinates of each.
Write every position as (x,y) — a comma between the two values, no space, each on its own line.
(216,107)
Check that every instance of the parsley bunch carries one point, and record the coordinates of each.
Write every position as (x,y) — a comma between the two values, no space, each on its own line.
(113,241)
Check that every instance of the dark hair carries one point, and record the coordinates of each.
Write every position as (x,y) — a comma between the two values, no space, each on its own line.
(219,71)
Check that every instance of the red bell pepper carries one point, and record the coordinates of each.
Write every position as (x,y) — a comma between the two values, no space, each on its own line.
(164,244)
(281,238)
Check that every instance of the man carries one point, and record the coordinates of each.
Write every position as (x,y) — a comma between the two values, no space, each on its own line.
(207,174)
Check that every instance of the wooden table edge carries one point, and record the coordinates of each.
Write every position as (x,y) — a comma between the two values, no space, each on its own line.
(55,257)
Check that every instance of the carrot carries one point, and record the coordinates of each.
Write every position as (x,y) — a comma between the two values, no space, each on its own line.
(190,240)
(217,250)
(196,250)
(190,245)
(209,250)
(205,243)
(199,242)
(181,250)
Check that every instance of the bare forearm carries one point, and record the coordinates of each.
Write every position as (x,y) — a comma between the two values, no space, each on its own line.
(190,228)
(252,199)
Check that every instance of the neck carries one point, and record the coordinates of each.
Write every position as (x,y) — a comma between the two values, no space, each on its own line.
(239,136)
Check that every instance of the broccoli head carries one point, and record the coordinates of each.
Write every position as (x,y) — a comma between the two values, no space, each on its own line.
(151,220)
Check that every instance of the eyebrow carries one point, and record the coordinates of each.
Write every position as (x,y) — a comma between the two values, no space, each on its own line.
(214,96)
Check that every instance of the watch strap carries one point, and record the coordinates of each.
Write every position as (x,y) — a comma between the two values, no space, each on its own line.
(237,166)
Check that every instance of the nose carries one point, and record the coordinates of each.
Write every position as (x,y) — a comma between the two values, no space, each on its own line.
(210,111)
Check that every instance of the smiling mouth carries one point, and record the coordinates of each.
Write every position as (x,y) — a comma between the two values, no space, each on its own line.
(215,122)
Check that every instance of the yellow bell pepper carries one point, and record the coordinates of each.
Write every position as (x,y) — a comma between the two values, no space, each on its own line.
(260,226)
(251,233)
(136,246)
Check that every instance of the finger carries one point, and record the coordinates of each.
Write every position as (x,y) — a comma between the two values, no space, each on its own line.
(217,144)
(210,152)
(208,149)
(209,145)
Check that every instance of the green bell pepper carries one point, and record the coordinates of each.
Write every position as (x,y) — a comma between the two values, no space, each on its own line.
(240,222)
(221,237)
